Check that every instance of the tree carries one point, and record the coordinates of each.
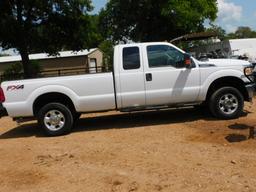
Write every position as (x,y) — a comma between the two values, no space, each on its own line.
(97,37)
(107,47)
(151,20)
(44,26)
(221,33)
(14,70)
(242,32)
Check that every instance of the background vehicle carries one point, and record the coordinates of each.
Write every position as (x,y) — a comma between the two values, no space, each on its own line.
(145,76)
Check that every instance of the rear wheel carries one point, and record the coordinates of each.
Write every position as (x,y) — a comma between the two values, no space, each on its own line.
(56,119)
(226,103)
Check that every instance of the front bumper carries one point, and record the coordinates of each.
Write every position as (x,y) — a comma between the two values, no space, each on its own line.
(3,111)
(250,90)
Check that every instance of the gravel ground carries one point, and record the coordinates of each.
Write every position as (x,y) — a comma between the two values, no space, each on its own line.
(170,150)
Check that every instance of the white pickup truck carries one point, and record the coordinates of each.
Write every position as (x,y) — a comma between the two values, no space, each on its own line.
(145,76)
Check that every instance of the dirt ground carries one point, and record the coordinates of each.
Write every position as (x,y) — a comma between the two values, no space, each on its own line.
(170,150)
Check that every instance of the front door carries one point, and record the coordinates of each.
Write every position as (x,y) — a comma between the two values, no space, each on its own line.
(167,80)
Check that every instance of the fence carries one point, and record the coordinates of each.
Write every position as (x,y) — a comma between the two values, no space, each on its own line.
(57,73)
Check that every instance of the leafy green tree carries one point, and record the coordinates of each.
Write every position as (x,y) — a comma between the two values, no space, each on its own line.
(107,47)
(221,33)
(151,20)
(15,70)
(96,35)
(242,32)
(44,26)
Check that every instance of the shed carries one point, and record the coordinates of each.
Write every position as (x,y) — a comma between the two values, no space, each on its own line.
(87,59)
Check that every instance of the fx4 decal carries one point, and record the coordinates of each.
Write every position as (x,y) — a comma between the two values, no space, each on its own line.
(15,87)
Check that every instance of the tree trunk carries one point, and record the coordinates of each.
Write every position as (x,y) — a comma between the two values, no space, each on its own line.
(25,63)
(23,43)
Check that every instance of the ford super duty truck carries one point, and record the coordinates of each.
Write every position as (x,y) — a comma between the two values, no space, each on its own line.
(145,76)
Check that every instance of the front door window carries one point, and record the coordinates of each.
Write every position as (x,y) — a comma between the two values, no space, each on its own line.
(164,56)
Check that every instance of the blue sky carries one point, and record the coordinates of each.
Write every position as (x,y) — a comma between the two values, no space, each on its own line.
(98,4)
(232,13)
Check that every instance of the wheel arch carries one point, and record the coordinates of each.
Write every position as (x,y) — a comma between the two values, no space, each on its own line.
(52,97)
(230,81)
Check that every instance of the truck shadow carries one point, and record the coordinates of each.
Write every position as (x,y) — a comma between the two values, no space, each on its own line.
(140,119)
(118,121)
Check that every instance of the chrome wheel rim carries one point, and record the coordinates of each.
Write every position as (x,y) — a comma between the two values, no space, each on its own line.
(228,104)
(54,120)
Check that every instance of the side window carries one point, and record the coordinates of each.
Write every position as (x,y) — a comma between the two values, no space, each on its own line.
(164,56)
(131,58)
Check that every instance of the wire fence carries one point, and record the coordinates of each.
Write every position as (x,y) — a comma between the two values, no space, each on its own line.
(56,73)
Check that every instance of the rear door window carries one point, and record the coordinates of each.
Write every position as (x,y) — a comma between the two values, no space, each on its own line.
(131,58)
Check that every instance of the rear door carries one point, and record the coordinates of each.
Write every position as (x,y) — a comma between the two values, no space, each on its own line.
(132,82)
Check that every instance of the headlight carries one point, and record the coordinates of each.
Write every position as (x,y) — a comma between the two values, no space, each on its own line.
(248,71)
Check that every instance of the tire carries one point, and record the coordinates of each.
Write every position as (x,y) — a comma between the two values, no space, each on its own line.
(55,119)
(226,103)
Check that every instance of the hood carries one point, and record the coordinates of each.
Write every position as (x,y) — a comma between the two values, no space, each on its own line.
(225,62)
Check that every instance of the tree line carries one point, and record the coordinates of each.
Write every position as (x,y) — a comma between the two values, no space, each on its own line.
(49,26)
(241,32)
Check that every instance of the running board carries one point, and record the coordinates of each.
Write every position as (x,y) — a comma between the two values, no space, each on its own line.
(159,107)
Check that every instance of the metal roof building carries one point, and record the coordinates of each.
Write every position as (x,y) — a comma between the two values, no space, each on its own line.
(64,60)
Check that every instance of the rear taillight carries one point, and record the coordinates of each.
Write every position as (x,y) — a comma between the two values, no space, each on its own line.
(2,97)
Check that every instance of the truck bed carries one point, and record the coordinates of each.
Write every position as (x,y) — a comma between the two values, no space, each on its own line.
(89,92)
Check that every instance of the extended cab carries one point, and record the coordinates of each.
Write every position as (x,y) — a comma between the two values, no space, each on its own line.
(145,76)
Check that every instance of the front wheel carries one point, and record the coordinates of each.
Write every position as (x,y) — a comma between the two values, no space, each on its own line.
(56,119)
(226,103)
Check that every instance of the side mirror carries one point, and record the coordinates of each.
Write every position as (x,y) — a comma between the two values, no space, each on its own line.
(187,61)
